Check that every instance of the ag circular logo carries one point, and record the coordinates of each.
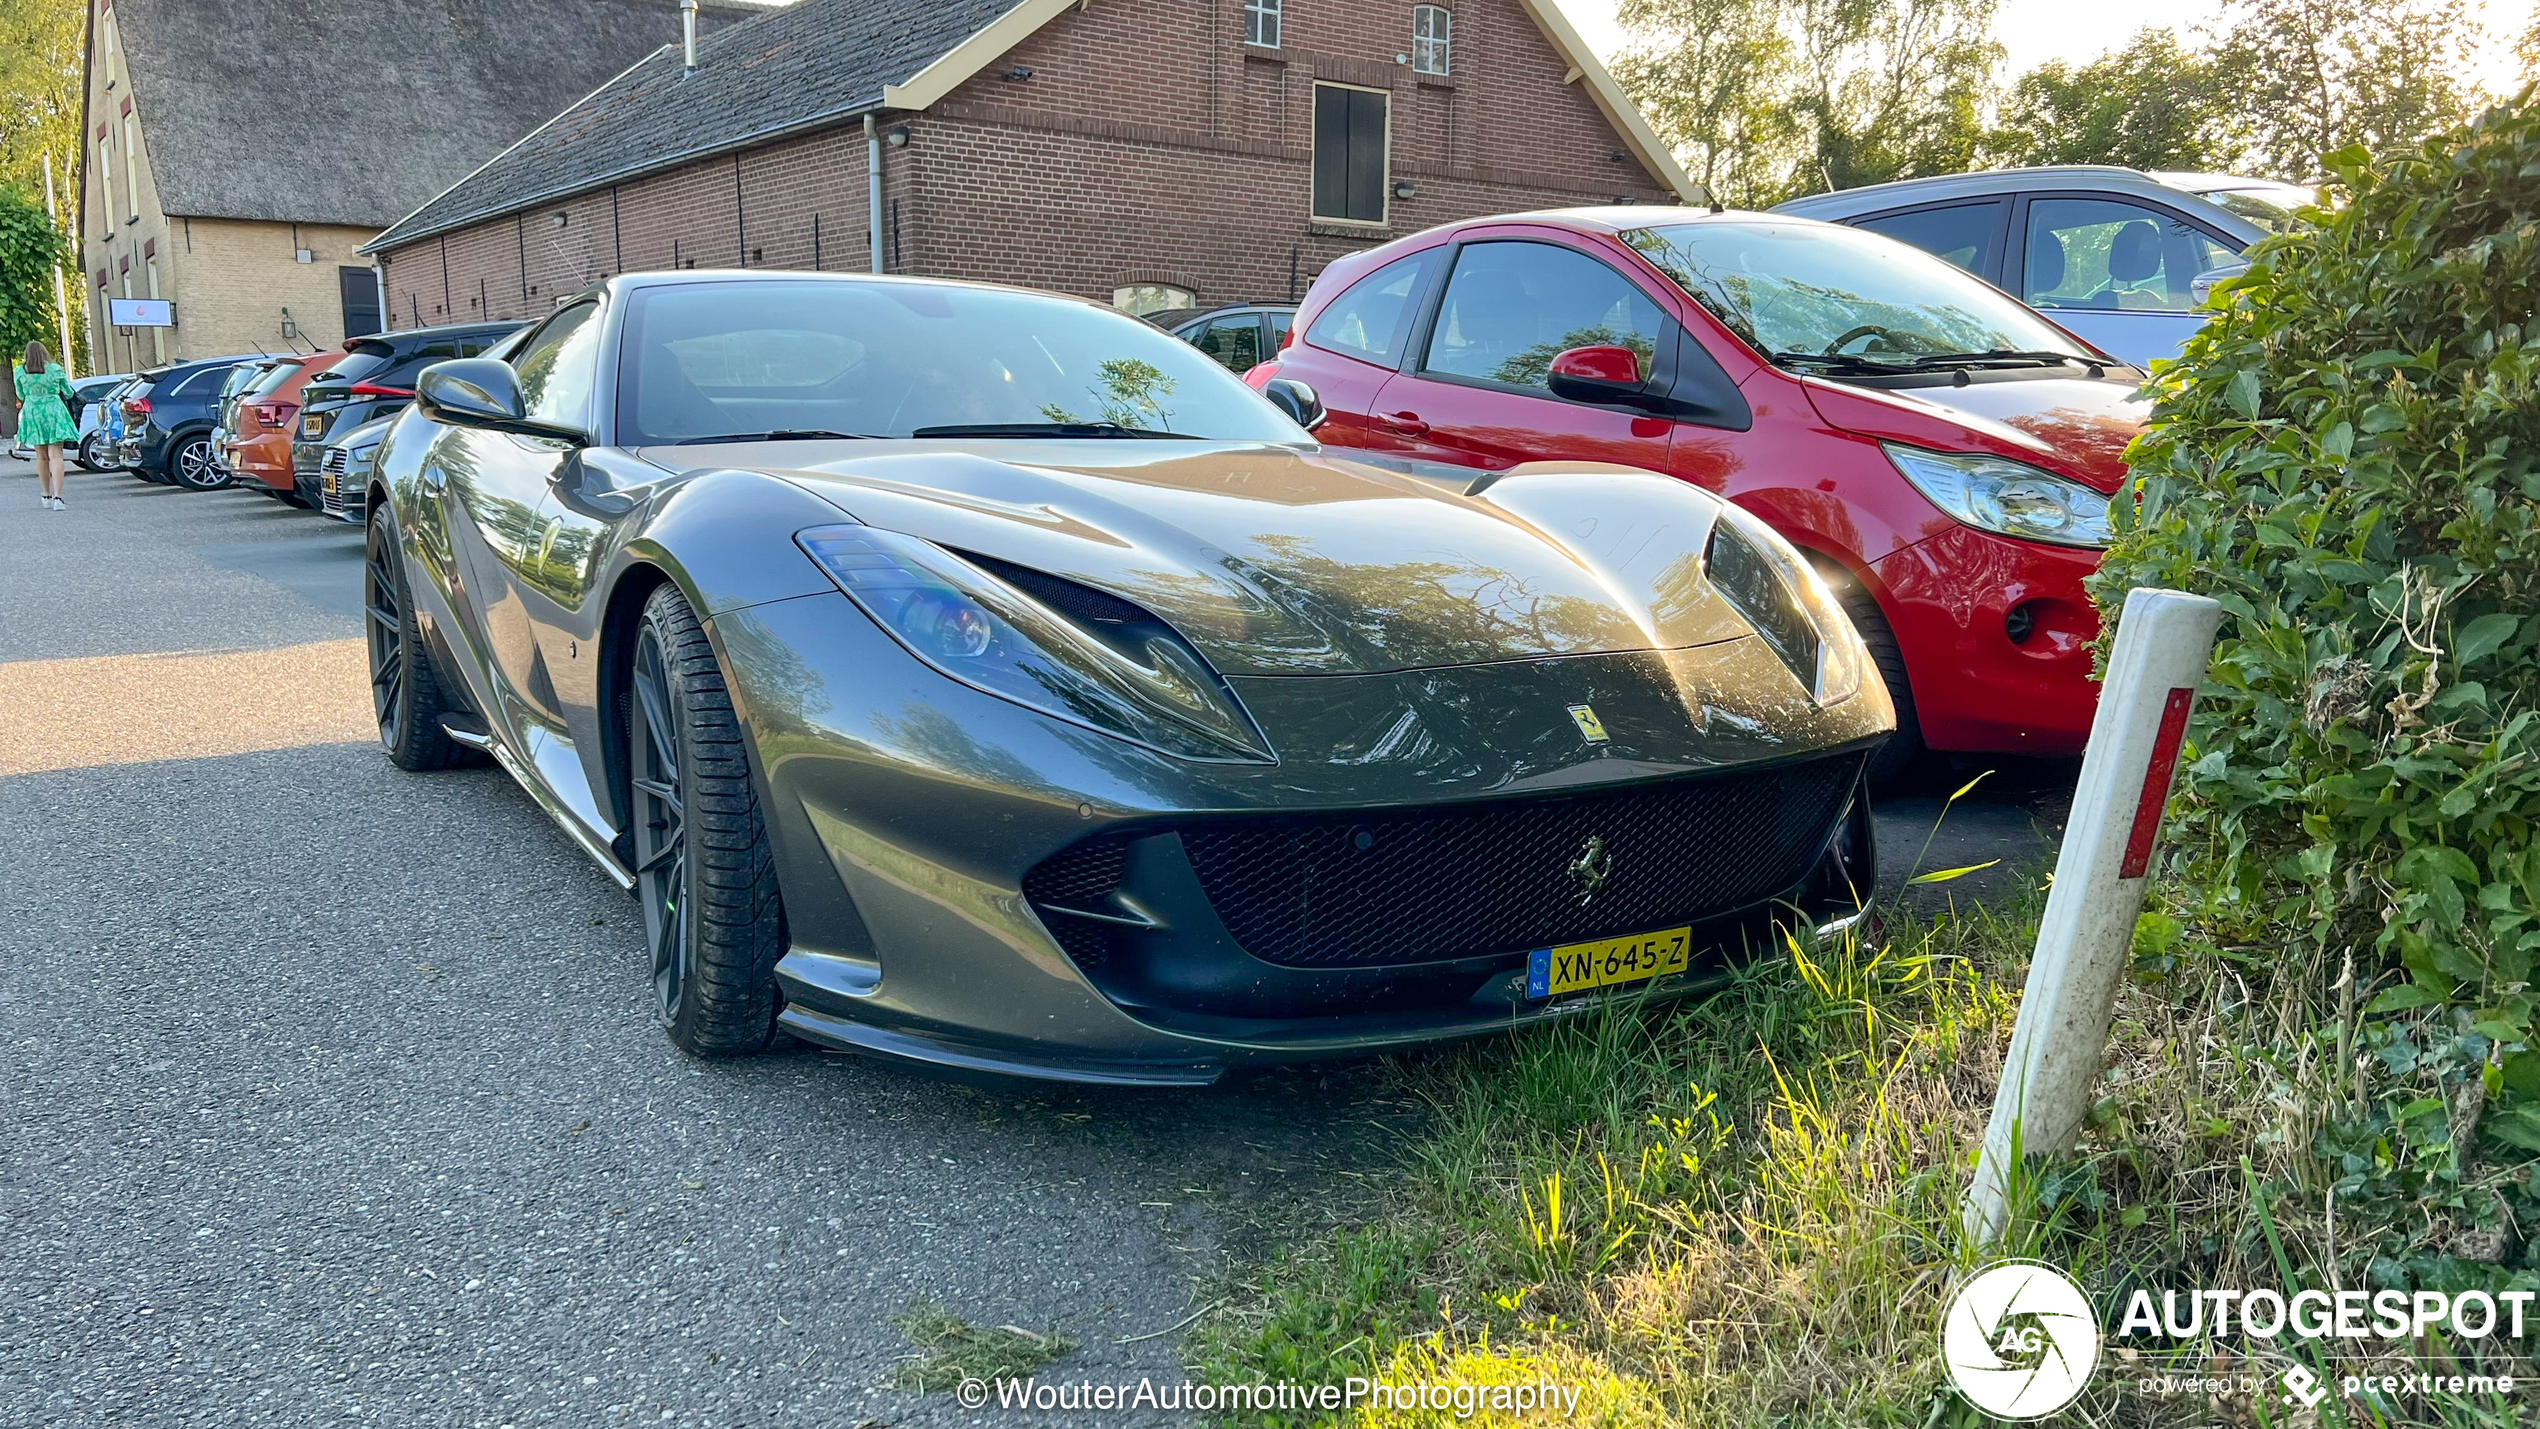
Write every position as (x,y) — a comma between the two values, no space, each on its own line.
(2020,1340)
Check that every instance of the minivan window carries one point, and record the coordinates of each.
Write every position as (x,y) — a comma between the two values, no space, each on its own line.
(1799,290)
(1511,307)
(1370,320)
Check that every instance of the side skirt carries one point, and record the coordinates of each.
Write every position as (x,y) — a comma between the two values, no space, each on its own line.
(600,853)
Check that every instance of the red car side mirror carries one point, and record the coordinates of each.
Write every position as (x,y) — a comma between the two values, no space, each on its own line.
(1596,374)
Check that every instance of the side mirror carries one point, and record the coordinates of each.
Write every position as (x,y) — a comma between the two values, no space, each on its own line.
(483,393)
(1597,374)
(1296,399)
(2201,287)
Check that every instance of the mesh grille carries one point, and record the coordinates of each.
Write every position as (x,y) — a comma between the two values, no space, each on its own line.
(337,460)
(1425,885)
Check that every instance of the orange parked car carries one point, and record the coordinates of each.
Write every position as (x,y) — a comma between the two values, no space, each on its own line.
(259,447)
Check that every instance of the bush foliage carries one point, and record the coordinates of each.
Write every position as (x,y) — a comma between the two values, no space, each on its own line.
(2348,458)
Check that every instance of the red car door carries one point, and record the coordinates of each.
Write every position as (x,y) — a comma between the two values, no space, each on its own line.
(1350,351)
(1477,392)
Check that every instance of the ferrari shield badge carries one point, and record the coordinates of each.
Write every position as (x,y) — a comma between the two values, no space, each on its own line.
(1591,728)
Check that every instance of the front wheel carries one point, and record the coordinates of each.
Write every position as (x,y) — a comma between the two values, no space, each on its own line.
(703,872)
(1897,760)
(193,467)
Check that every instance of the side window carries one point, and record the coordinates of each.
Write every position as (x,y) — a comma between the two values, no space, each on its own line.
(1279,325)
(1512,307)
(558,367)
(1368,321)
(401,373)
(2104,253)
(1349,153)
(1234,341)
(1261,23)
(1967,234)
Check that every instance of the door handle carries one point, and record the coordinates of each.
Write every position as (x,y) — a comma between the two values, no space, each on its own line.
(1407,423)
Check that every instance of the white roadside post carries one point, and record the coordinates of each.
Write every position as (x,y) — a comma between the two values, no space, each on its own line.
(2164,638)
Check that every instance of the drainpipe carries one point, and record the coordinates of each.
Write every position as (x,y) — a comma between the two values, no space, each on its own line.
(688,33)
(873,189)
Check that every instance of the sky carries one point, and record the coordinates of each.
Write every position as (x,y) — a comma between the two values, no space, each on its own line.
(2036,31)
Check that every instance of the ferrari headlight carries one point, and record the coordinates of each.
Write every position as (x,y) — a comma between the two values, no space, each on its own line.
(1781,596)
(1135,679)
(1994,493)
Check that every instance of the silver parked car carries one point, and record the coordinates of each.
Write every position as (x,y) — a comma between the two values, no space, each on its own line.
(2118,257)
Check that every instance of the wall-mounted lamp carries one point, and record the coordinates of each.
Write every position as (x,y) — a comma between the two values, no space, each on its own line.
(290,325)
(1016,73)
(1404,188)
(304,255)
(896,136)
(562,219)
(1621,158)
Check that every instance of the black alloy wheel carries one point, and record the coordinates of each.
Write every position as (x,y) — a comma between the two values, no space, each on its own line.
(193,467)
(713,925)
(405,692)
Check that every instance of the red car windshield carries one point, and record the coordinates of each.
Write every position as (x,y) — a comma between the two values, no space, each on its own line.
(1801,291)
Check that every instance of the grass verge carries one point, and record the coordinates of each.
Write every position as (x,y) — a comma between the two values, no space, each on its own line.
(1742,1209)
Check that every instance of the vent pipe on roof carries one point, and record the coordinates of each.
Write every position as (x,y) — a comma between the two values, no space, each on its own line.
(688,33)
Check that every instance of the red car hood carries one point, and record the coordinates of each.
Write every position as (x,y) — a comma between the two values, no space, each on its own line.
(2075,426)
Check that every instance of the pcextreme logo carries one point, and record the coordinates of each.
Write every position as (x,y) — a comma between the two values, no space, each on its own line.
(2020,1340)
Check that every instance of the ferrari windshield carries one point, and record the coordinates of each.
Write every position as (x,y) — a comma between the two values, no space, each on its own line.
(744,360)
(1798,291)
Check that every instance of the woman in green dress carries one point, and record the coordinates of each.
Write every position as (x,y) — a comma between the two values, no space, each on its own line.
(44,419)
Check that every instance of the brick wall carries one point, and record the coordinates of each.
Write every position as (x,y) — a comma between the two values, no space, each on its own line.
(1149,144)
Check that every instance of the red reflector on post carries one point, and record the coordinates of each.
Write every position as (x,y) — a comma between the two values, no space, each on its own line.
(2156,783)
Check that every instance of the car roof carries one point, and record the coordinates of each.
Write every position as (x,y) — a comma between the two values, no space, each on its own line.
(1843,205)
(1184,317)
(404,336)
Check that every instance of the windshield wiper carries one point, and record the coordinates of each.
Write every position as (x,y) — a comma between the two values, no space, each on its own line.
(1052,429)
(1843,361)
(786,434)
(1999,357)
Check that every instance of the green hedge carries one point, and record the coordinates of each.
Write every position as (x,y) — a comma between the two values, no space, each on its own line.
(2348,458)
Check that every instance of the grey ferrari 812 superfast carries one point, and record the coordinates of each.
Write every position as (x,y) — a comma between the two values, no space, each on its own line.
(987,678)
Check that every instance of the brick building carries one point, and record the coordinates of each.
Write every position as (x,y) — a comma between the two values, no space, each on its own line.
(1150,153)
(237,153)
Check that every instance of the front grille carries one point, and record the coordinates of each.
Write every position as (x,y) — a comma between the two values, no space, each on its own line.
(1471,880)
(336,461)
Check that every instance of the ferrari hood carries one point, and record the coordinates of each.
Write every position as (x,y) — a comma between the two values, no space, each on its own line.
(2078,426)
(1278,560)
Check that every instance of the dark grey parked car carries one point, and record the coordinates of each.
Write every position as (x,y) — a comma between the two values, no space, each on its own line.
(2117,257)
(985,677)
(1239,335)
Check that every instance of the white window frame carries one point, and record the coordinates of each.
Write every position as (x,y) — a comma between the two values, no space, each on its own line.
(1432,39)
(106,187)
(1384,192)
(1261,23)
(132,163)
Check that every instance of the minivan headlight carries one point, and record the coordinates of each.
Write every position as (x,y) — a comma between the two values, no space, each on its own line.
(2012,498)
(1783,598)
(1140,683)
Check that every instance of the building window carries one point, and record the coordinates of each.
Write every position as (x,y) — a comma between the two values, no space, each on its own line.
(1261,23)
(105,186)
(1349,153)
(131,164)
(1142,299)
(1430,28)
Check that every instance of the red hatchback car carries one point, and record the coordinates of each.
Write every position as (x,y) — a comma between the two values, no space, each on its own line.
(1941,452)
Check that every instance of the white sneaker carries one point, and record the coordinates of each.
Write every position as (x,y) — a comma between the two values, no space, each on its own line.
(59,505)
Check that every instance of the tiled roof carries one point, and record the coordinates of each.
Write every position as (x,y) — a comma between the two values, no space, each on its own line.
(811,64)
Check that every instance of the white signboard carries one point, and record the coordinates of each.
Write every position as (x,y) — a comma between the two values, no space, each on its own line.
(140,312)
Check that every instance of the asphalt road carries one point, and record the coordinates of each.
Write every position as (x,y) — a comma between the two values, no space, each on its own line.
(329,1093)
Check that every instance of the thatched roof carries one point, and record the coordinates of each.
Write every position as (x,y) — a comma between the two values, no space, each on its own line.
(354,113)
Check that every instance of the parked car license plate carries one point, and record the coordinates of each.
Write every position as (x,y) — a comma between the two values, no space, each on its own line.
(1576,967)
(313,425)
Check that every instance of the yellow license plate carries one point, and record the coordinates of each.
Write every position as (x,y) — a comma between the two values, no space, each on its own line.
(311,426)
(1576,967)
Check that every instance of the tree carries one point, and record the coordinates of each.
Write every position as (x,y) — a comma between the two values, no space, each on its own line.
(39,91)
(32,250)
(2310,76)
(1773,100)
(2155,104)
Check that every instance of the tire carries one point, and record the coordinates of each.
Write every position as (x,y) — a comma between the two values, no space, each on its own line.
(405,691)
(90,455)
(191,465)
(713,923)
(1901,757)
